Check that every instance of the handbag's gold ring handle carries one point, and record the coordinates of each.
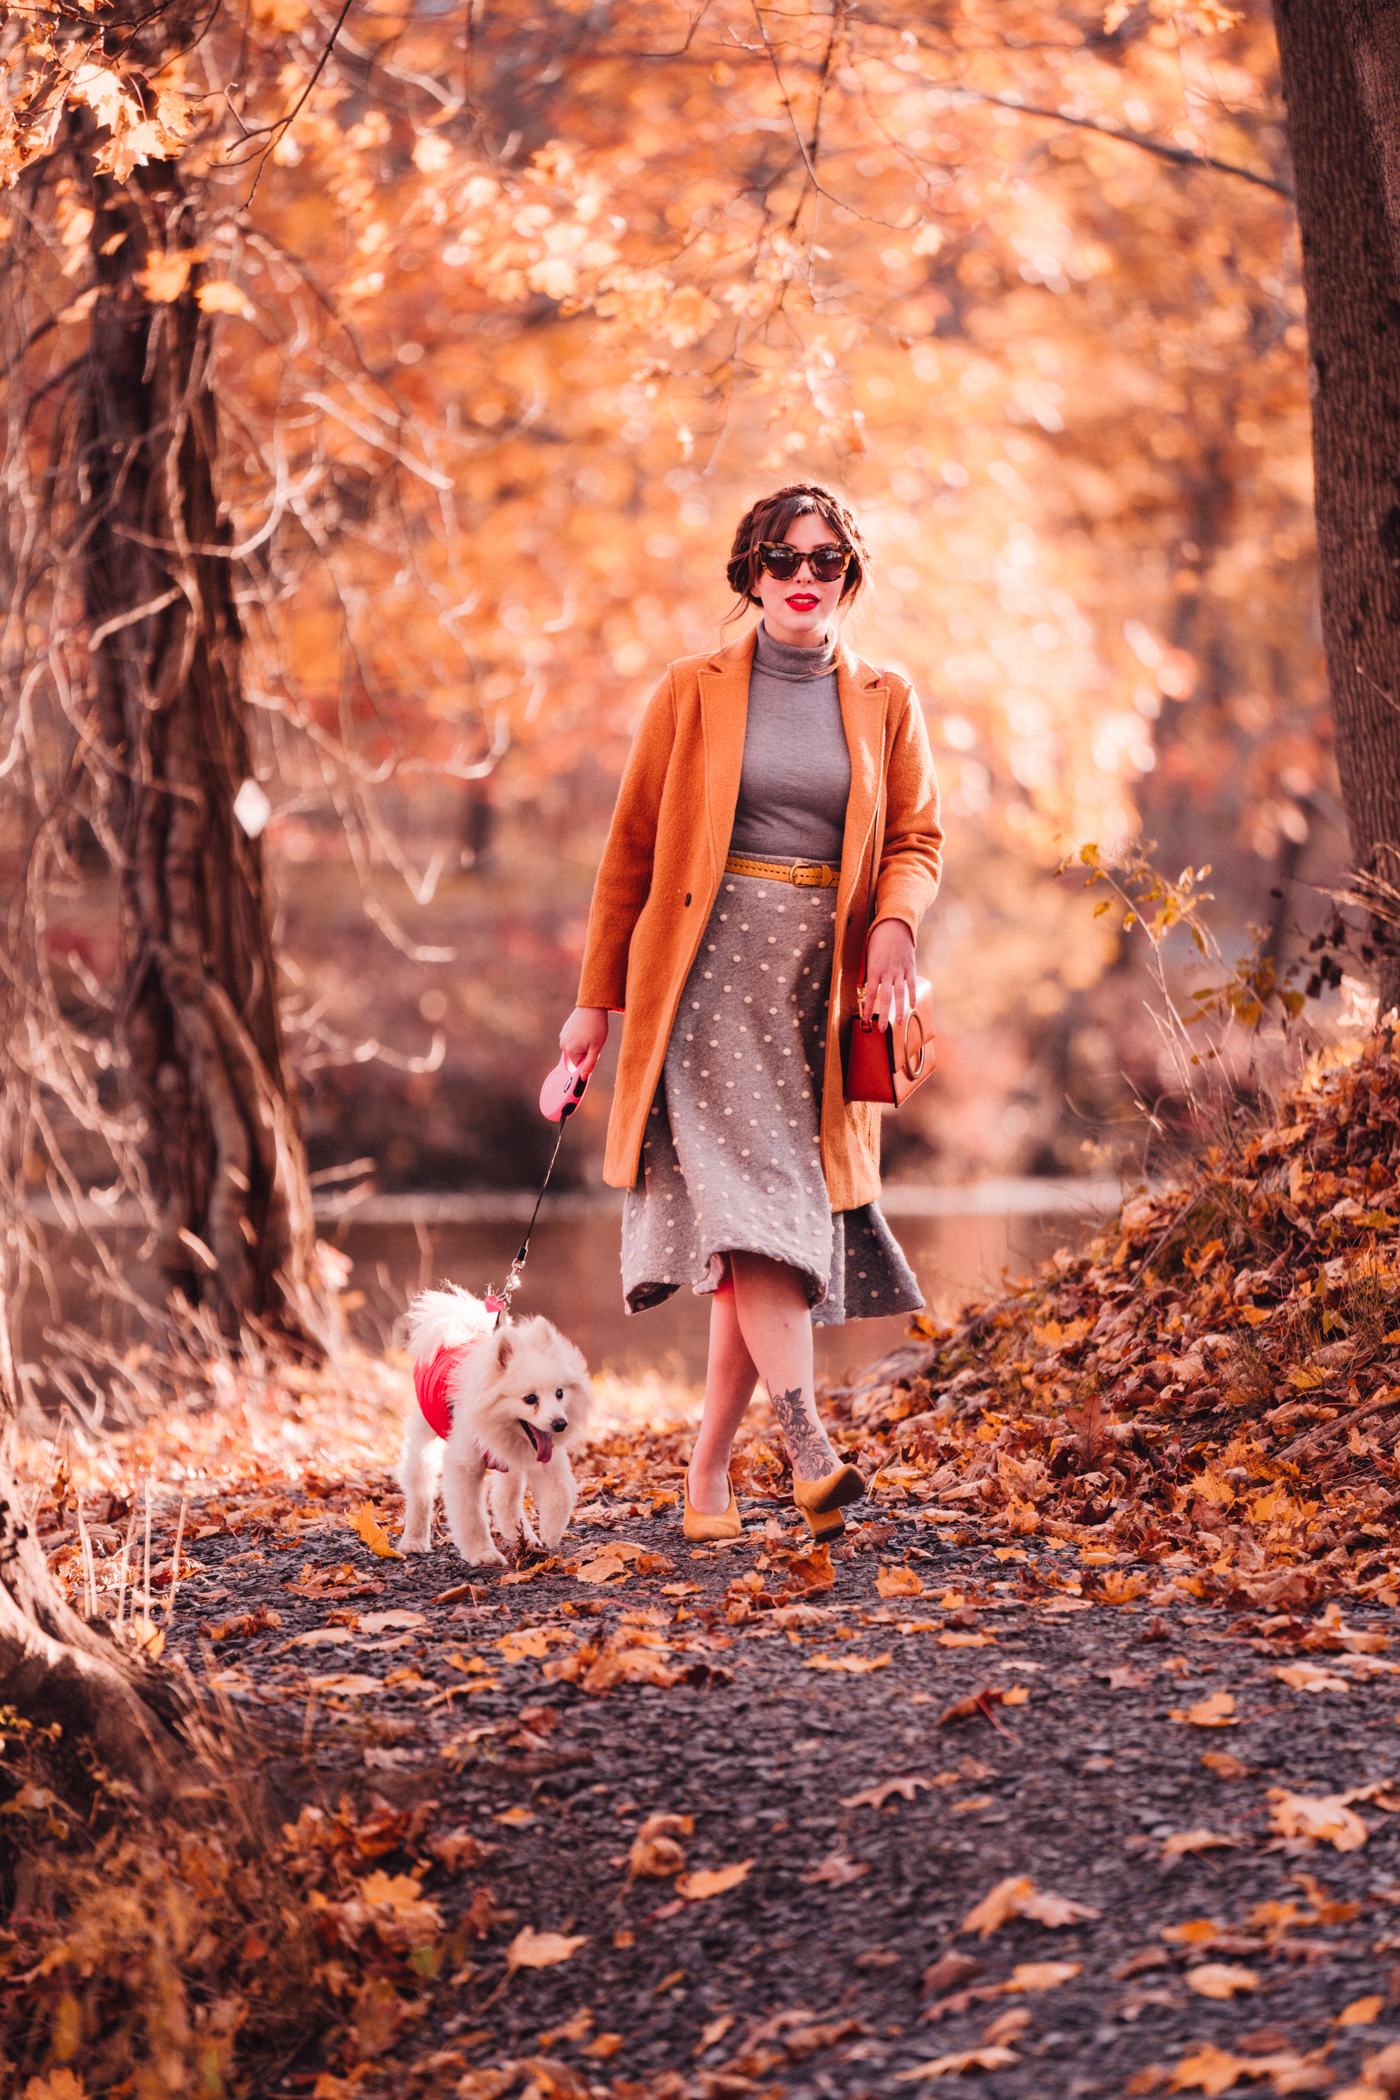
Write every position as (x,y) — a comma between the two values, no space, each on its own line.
(911,1069)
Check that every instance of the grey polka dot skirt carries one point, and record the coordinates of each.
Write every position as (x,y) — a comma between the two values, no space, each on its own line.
(731,1158)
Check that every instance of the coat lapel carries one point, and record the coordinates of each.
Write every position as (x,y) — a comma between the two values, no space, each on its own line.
(724,714)
(864,696)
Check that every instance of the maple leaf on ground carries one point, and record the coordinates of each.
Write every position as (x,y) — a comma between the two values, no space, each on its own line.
(837,1870)
(1215,2071)
(1325,1817)
(350,1683)
(877,1795)
(712,1881)
(1125,1678)
(541,1950)
(994,2057)
(857,1665)
(1218,1979)
(1214,1712)
(366,1525)
(982,1703)
(1018,1897)
(1224,1765)
(1361,2012)
(1308,1677)
(1184,1841)
(1041,1975)
(898,1582)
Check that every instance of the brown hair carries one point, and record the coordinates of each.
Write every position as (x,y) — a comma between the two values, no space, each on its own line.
(771,519)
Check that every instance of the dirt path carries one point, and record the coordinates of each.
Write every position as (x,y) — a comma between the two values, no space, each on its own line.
(763,1723)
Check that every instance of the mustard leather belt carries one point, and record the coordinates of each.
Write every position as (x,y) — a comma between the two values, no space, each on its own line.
(804,874)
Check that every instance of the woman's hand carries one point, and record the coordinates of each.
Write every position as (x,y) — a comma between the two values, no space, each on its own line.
(583,1035)
(889,972)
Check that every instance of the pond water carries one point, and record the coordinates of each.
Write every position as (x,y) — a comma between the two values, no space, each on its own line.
(958,1242)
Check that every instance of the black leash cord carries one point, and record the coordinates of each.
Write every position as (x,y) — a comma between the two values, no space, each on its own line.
(499,1301)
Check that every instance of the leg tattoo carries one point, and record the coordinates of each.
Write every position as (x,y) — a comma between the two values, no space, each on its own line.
(806,1440)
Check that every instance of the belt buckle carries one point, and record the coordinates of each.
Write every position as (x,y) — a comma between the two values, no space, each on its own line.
(808,875)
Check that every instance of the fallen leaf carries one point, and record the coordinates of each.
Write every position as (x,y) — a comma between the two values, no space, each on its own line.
(994,2058)
(712,1881)
(966,1640)
(837,1870)
(856,1664)
(606,1568)
(1018,1897)
(1007,2026)
(1307,1677)
(529,1641)
(1016,1695)
(811,1571)
(366,1525)
(655,1854)
(319,1637)
(1361,2012)
(1324,1817)
(898,1582)
(541,1950)
(1195,1932)
(515,1818)
(603,2046)
(1183,1841)
(1210,2071)
(1041,1975)
(1214,1712)
(381,1621)
(1224,1765)
(877,1795)
(1219,1979)
(1127,1679)
(350,1684)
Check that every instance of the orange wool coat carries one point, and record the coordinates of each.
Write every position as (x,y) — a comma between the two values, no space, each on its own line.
(664,859)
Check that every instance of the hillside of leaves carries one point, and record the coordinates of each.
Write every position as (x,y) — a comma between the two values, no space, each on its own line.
(1213,1384)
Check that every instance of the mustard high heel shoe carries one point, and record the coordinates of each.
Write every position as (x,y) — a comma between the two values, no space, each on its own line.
(822,1501)
(701,1529)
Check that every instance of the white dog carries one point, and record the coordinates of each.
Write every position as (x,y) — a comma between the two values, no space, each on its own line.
(495,1405)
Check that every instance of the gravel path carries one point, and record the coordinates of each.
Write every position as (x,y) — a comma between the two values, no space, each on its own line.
(808,1975)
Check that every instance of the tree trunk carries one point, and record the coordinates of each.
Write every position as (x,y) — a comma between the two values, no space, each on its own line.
(1342,125)
(199,1012)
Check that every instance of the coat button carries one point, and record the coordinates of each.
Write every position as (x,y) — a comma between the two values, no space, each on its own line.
(687,896)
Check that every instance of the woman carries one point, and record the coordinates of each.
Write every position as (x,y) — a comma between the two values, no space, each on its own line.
(727,927)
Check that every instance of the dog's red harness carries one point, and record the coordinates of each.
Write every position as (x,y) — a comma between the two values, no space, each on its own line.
(432,1384)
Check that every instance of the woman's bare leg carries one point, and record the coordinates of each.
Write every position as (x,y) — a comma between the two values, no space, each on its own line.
(760,1325)
(776,1325)
(730,1378)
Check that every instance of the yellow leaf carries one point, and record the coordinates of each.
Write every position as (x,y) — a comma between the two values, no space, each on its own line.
(998,1906)
(366,1525)
(1219,1979)
(165,276)
(529,1641)
(220,296)
(541,1950)
(1018,1695)
(1041,1975)
(350,1684)
(995,2057)
(1324,1816)
(1214,1712)
(1361,2012)
(1195,1932)
(856,1664)
(516,1818)
(1307,1677)
(966,1640)
(1210,2071)
(898,1582)
(1255,1315)
(1184,1841)
(59,2085)
(712,1881)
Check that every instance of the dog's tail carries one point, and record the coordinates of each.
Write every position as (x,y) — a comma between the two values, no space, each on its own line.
(444,1319)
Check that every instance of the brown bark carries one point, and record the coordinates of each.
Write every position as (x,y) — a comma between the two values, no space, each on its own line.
(199,1014)
(1338,64)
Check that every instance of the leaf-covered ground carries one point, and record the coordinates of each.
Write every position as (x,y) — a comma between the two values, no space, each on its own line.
(1069,1770)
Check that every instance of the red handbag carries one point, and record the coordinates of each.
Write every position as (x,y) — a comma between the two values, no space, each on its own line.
(887,1064)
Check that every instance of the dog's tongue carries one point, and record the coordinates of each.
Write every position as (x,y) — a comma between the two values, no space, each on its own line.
(544,1446)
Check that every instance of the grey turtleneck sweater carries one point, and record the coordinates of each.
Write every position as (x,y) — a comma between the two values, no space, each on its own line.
(797,769)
